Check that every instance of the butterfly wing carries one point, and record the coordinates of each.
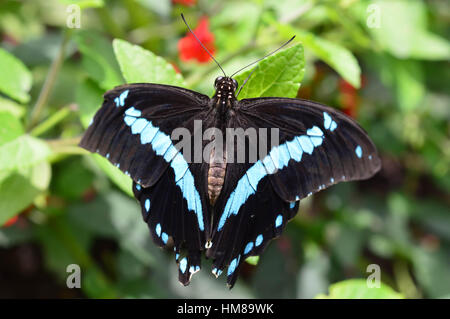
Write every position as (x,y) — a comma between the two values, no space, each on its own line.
(318,147)
(133,130)
(322,145)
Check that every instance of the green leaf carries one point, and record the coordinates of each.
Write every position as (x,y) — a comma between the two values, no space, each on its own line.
(104,216)
(7,105)
(406,77)
(116,175)
(339,58)
(252,260)
(237,20)
(98,59)
(410,89)
(10,127)
(15,78)
(277,75)
(16,194)
(84,4)
(20,188)
(160,7)
(336,56)
(139,65)
(432,272)
(71,172)
(413,40)
(358,289)
(23,152)
(89,98)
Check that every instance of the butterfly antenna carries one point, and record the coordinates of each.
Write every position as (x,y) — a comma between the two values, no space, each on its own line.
(190,30)
(269,54)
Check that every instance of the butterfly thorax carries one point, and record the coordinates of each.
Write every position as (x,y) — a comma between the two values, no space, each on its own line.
(224,98)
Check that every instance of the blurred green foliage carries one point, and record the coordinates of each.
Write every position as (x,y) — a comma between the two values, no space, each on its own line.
(384,62)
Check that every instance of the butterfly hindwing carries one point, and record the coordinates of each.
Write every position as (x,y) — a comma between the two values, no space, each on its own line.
(172,223)
(247,233)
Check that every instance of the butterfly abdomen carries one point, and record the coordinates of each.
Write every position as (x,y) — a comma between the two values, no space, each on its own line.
(216,175)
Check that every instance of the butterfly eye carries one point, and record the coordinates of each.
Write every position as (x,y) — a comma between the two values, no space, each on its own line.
(235,83)
(218,80)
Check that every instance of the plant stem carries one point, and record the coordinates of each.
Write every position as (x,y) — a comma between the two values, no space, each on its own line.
(49,82)
(51,121)
(404,281)
(64,142)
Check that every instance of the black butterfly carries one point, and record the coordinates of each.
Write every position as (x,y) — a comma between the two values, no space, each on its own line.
(230,211)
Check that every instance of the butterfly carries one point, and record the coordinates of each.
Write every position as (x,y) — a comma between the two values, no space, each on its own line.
(227,209)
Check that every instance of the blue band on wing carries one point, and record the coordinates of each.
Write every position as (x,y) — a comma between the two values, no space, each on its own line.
(162,146)
(277,158)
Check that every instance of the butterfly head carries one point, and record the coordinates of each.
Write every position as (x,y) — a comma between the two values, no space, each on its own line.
(225,87)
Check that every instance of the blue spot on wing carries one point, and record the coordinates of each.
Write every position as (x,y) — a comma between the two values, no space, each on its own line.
(295,150)
(148,133)
(122,97)
(333,126)
(248,248)
(314,131)
(255,174)
(161,143)
(306,144)
(164,238)
(233,265)
(129,120)
(183,265)
(259,240)
(279,219)
(133,112)
(158,229)
(269,165)
(358,151)
(138,126)
(326,120)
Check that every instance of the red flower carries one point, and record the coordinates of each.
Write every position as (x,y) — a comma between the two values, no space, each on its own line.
(190,49)
(188,3)
(11,221)
(349,98)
